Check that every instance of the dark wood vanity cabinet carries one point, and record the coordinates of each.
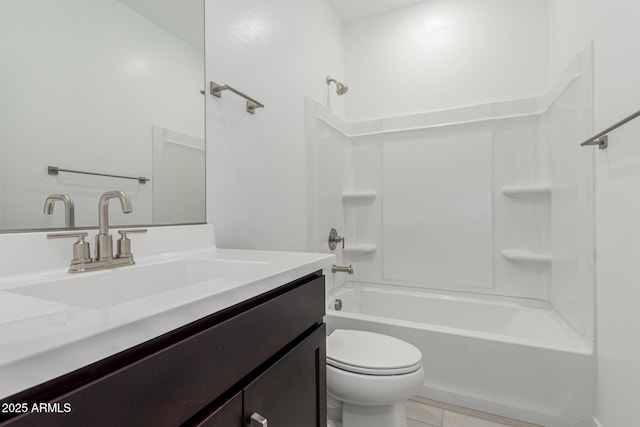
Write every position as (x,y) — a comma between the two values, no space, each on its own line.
(287,394)
(264,356)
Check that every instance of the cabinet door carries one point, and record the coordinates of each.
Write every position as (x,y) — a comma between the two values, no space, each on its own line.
(292,392)
(227,415)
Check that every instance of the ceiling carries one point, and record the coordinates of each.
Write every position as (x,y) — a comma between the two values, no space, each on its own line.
(355,10)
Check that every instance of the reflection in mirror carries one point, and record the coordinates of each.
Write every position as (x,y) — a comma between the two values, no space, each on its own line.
(108,87)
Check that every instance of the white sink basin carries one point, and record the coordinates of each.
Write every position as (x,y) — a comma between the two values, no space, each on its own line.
(18,307)
(107,288)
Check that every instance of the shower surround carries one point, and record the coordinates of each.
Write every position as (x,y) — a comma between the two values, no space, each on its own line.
(490,201)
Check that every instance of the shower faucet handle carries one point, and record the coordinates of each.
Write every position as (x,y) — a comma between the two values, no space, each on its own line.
(334,239)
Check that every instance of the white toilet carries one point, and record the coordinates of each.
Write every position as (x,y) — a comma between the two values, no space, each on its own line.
(369,376)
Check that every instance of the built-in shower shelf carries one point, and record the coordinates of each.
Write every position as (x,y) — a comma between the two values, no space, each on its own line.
(526,190)
(527,256)
(363,248)
(359,196)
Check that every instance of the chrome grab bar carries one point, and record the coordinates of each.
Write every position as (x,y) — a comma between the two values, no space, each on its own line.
(600,139)
(252,104)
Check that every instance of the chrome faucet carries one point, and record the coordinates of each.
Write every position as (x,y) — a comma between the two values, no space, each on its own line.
(69,209)
(104,241)
(104,258)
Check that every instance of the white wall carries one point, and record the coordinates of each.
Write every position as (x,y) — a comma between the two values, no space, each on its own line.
(443,54)
(617,94)
(617,170)
(323,54)
(256,170)
(571,27)
(256,177)
(45,79)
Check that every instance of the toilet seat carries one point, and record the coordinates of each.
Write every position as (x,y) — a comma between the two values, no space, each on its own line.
(369,353)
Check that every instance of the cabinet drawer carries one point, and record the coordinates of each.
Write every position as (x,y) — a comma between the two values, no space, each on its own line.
(168,387)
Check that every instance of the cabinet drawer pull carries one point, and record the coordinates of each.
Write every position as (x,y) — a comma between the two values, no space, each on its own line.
(258,420)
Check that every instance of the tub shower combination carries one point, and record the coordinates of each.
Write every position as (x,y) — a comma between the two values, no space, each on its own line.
(513,357)
(469,234)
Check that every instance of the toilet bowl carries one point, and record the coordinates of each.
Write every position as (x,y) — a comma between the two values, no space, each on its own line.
(369,376)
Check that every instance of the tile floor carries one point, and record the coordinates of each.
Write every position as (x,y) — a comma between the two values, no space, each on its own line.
(429,413)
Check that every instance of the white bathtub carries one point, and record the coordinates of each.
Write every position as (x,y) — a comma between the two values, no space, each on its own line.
(512,357)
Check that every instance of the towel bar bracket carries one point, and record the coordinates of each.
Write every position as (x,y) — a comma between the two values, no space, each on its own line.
(602,142)
(600,139)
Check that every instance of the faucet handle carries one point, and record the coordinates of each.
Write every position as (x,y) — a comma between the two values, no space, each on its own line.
(124,244)
(334,239)
(124,233)
(81,249)
(79,235)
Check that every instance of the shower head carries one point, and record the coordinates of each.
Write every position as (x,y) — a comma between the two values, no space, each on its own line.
(341,88)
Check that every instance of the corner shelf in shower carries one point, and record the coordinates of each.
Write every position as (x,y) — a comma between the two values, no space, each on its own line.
(363,248)
(540,257)
(359,196)
(531,191)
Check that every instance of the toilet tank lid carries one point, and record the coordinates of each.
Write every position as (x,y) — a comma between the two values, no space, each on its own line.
(371,351)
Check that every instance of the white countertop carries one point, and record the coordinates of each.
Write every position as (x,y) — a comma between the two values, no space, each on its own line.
(60,338)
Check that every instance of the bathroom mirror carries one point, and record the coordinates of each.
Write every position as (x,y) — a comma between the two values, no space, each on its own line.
(101,87)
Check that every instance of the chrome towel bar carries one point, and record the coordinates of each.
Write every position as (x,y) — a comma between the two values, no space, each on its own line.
(252,104)
(600,139)
(53,170)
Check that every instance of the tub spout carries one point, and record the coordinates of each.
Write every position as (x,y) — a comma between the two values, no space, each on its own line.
(341,269)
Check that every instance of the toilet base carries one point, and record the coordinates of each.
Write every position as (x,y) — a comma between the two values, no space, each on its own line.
(374,416)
